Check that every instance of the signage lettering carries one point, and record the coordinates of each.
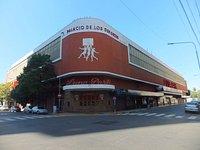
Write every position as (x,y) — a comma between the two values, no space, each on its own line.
(92,81)
(73,81)
(169,84)
(94,28)
(98,81)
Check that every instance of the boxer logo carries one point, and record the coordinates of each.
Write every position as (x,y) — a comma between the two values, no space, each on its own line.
(88,51)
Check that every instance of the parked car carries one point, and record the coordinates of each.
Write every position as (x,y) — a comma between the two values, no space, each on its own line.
(39,110)
(28,109)
(193,106)
(14,109)
(195,100)
(4,108)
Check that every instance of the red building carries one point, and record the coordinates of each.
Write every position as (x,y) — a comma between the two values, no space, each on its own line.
(99,69)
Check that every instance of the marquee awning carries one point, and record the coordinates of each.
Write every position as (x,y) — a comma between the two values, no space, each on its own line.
(85,87)
(169,91)
(145,93)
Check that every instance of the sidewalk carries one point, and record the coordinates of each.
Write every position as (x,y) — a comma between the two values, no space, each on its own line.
(98,113)
(108,113)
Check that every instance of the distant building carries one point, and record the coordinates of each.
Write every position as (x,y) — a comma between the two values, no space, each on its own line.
(100,69)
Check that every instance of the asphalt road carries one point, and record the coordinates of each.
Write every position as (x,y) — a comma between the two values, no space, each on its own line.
(166,128)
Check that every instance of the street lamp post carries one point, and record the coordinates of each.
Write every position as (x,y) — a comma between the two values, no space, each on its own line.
(59,79)
(172,43)
(59,95)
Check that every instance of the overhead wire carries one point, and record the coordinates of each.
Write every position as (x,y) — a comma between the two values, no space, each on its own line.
(189,22)
(181,19)
(193,16)
(142,22)
(197,8)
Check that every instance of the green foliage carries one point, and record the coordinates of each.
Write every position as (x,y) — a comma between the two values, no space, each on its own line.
(31,82)
(5,91)
(195,94)
(194,89)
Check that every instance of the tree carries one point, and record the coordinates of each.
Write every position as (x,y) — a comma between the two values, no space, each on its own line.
(194,89)
(31,82)
(5,91)
(195,93)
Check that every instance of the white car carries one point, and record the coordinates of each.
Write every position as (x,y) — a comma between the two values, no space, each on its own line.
(39,110)
(28,109)
(4,108)
(15,109)
(193,106)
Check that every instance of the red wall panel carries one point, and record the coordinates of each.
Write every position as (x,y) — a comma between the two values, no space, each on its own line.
(112,57)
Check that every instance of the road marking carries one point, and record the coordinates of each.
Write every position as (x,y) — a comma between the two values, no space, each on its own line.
(20,118)
(39,117)
(124,114)
(47,116)
(3,114)
(179,117)
(171,115)
(9,119)
(28,117)
(59,116)
(159,115)
(25,118)
(133,114)
(142,114)
(192,117)
(151,114)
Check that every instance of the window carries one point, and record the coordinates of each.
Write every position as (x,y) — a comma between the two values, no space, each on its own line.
(89,99)
(142,60)
(17,70)
(52,49)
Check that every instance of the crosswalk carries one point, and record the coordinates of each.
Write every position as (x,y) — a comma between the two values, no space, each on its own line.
(162,115)
(3,114)
(23,118)
(139,114)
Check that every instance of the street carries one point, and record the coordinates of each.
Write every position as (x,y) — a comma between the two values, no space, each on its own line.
(166,128)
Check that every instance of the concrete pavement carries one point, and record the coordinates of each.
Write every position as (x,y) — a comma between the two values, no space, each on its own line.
(151,129)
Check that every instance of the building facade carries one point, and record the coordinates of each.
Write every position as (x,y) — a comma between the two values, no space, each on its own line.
(99,69)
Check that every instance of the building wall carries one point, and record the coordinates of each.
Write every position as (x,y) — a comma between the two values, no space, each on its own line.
(112,57)
(112,48)
(100,79)
(110,61)
(16,71)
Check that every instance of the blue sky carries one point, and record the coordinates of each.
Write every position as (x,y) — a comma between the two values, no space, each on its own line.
(24,24)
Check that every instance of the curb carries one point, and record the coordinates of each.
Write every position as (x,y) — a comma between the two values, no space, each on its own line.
(109,113)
